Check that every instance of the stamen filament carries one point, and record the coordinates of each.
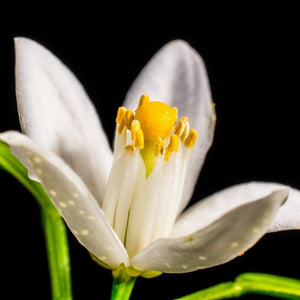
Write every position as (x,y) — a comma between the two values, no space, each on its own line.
(147,178)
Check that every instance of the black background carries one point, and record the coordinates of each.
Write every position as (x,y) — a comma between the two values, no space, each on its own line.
(251,58)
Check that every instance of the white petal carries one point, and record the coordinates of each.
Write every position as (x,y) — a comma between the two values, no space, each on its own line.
(221,241)
(214,206)
(71,197)
(56,112)
(288,216)
(176,75)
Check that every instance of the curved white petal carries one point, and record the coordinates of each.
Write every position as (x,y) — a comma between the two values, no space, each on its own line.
(206,211)
(56,112)
(219,242)
(71,197)
(176,75)
(288,216)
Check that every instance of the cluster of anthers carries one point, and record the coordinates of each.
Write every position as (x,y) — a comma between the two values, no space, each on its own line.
(151,127)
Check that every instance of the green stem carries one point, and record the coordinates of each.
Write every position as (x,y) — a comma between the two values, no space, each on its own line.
(251,283)
(54,228)
(122,290)
(58,255)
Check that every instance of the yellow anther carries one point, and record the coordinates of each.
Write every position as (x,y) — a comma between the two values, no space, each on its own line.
(181,125)
(144,99)
(130,148)
(172,147)
(120,114)
(179,128)
(191,139)
(185,119)
(128,118)
(182,128)
(157,119)
(186,131)
(121,126)
(167,155)
(159,144)
(137,135)
(120,118)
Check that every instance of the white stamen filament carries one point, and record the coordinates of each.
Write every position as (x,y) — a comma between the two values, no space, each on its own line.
(150,203)
(142,206)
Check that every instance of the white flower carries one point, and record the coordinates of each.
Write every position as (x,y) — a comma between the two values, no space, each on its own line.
(126,207)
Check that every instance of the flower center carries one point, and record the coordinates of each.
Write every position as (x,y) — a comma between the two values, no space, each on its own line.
(151,126)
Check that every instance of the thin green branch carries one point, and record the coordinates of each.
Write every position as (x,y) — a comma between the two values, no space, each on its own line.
(250,283)
(53,226)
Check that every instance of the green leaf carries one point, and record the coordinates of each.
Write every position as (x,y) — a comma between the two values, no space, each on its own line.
(54,228)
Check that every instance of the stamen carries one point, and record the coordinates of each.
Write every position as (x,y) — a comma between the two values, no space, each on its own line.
(144,99)
(172,147)
(137,135)
(121,126)
(182,128)
(191,139)
(186,131)
(128,118)
(120,118)
(179,128)
(130,148)
(159,146)
(120,114)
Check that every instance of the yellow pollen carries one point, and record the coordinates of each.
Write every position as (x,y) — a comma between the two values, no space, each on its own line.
(157,119)
(137,135)
(191,139)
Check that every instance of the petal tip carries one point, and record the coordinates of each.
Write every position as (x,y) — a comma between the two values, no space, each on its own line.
(180,45)
(19,40)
